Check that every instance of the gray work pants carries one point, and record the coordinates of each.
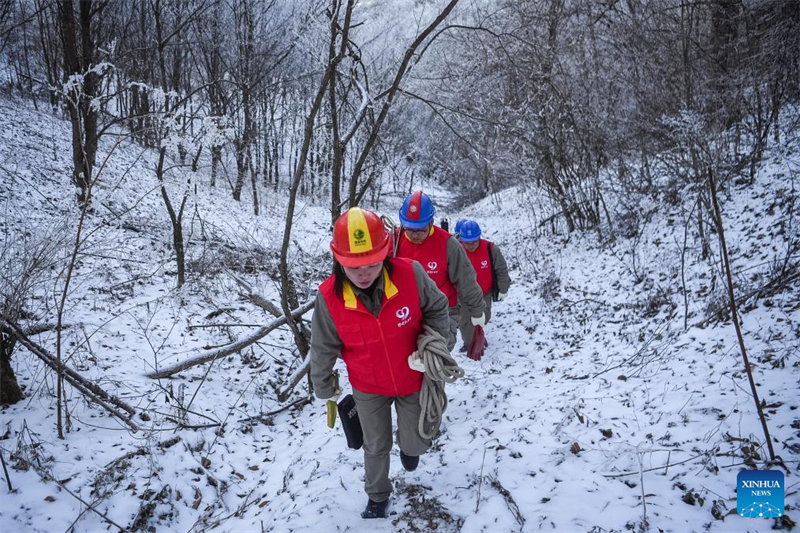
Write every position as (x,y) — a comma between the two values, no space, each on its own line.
(465,321)
(375,414)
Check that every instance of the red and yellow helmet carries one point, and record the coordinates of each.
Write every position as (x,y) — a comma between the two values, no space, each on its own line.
(359,238)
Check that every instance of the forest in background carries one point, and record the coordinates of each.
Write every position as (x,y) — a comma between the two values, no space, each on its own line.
(580,103)
(578,100)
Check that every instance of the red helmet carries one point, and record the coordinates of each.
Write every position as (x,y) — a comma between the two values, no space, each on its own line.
(359,238)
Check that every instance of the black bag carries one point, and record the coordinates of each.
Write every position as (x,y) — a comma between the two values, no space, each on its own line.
(350,422)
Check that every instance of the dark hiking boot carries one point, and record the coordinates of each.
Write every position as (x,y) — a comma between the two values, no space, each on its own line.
(410,462)
(376,510)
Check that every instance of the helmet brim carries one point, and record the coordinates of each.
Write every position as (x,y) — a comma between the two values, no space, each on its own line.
(414,224)
(462,238)
(359,260)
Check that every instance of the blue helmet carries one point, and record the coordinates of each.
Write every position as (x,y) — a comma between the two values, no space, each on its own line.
(459,225)
(417,211)
(470,231)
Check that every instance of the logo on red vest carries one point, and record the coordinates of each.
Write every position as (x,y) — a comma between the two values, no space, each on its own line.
(404,314)
(432,267)
(484,263)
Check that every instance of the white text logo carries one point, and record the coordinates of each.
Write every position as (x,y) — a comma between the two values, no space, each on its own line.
(404,314)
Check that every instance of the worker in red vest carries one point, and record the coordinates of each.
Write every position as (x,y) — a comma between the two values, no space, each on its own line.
(492,273)
(443,258)
(369,312)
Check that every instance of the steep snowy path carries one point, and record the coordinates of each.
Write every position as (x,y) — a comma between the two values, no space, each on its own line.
(593,409)
(559,447)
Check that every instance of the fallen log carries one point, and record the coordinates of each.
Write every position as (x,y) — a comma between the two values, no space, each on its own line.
(228,349)
(91,391)
(255,298)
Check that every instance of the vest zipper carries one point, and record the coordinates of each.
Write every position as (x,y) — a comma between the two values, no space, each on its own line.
(388,360)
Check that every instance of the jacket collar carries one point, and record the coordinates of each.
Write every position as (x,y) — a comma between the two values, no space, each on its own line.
(351,301)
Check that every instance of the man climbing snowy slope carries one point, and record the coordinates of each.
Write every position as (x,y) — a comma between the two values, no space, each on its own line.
(491,270)
(443,258)
(371,311)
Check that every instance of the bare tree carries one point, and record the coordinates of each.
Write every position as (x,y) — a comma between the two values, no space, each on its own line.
(82,81)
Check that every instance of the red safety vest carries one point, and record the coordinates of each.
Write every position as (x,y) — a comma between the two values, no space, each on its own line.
(376,350)
(432,255)
(482,264)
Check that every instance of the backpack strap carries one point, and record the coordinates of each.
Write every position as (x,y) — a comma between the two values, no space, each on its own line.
(495,289)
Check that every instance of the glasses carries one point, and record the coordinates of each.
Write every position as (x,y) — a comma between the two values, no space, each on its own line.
(417,232)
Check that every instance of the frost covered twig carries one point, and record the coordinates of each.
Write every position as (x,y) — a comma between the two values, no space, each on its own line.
(512,505)
(625,474)
(480,478)
(735,314)
(295,378)
(645,526)
(5,471)
(261,417)
(46,476)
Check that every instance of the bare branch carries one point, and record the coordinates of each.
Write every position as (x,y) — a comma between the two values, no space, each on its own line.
(228,349)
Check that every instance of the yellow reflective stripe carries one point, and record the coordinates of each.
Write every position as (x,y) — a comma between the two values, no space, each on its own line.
(358,231)
(389,288)
(350,301)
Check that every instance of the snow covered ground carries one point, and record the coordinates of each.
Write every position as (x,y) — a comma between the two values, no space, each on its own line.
(593,409)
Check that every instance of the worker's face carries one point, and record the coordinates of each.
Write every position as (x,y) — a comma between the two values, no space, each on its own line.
(418,236)
(363,276)
(471,246)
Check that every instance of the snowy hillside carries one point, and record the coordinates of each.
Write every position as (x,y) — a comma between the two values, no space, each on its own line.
(593,409)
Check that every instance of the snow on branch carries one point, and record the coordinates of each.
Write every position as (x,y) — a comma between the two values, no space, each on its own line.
(228,349)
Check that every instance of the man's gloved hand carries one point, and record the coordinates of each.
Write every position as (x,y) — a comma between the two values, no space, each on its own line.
(334,398)
(415,362)
(479,321)
(502,296)
(331,404)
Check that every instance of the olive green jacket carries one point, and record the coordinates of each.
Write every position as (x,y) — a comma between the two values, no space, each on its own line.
(500,269)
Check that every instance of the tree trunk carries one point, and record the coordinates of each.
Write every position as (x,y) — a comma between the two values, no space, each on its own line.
(216,157)
(336,148)
(288,292)
(83,116)
(241,169)
(10,393)
(176,219)
(254,185)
